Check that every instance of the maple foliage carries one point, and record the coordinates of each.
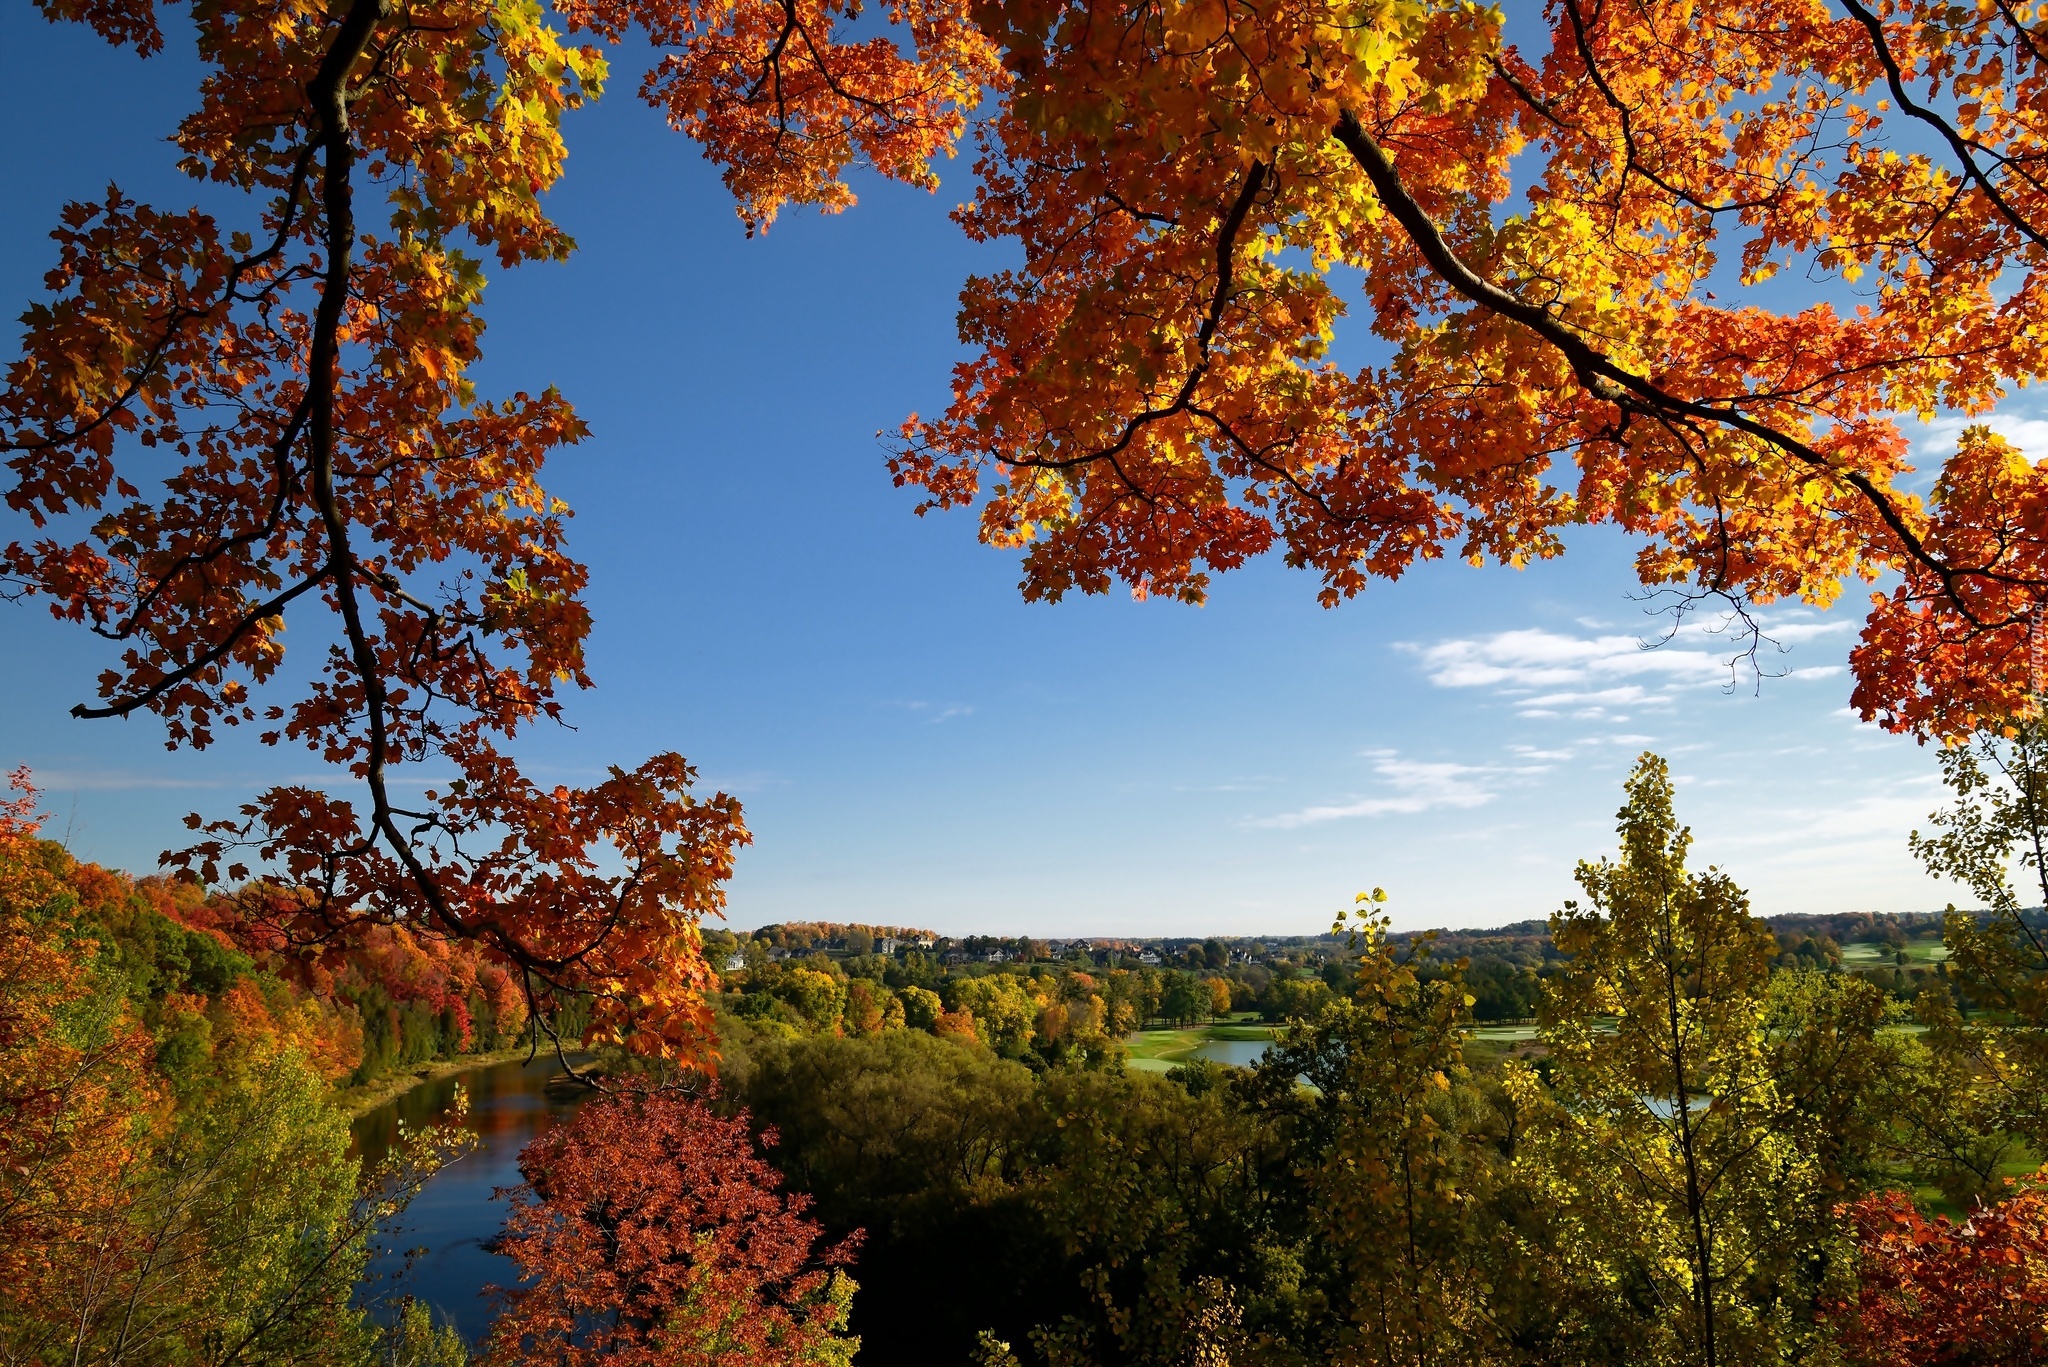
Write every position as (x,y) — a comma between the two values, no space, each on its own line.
(651,1231)
(1934,1292)
(1566,260)
(215,426)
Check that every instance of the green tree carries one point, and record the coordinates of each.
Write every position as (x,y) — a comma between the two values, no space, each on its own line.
(1005,1014)
(414,1339)
(1295,999)
(818,997)
(872,1126)
(916,1141)
(1162,1200)
(1387,1174)
(243,1234)
(1999,818)
(1183,999)
(920,1008)
(1670,1150)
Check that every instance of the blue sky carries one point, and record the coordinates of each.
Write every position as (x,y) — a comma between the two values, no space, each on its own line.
(916,745)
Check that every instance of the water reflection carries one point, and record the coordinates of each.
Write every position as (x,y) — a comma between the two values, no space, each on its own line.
(447,1226)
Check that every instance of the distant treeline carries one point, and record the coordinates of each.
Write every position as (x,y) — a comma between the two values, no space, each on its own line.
(1168,979)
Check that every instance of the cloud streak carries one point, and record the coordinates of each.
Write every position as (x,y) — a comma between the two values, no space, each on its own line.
(934,713)
(121,781)
(1552,673)
(1410,786)
(2029,434)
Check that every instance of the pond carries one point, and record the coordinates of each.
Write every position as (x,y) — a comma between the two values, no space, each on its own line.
(454,1215)
(1240,1053)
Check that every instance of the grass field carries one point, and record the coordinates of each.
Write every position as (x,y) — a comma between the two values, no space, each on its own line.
(1867,954)
(1159,1051)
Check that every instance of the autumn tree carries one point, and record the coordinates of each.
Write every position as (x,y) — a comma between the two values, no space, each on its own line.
(1003,1008)
(222,422)
(243,1233)
(1570,260)
(76,1094)
(1567,274)
(1943,1293)
(649,1230)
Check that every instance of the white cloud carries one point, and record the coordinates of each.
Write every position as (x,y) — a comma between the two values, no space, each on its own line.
(1545,672)
(1791,631)
(1630,694)
(938,712)
(1410,786)
(119,780)
(2029,434)
(1256,783)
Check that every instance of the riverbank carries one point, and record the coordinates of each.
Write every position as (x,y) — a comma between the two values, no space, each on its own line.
(361,1100)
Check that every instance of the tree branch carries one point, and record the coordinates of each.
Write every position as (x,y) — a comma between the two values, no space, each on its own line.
(1614,383)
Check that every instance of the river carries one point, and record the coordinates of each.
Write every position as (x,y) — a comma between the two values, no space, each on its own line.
(454,1215)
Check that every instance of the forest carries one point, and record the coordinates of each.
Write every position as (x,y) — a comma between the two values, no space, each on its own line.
(1348,287)
(1719,1136)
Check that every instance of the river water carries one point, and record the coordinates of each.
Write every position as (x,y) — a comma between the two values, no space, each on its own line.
(455,1215)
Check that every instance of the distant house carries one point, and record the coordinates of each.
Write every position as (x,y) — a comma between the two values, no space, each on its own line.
(776,954)
(998,956)
(734,962)
(1149,957)
(926,942)
(888,944)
